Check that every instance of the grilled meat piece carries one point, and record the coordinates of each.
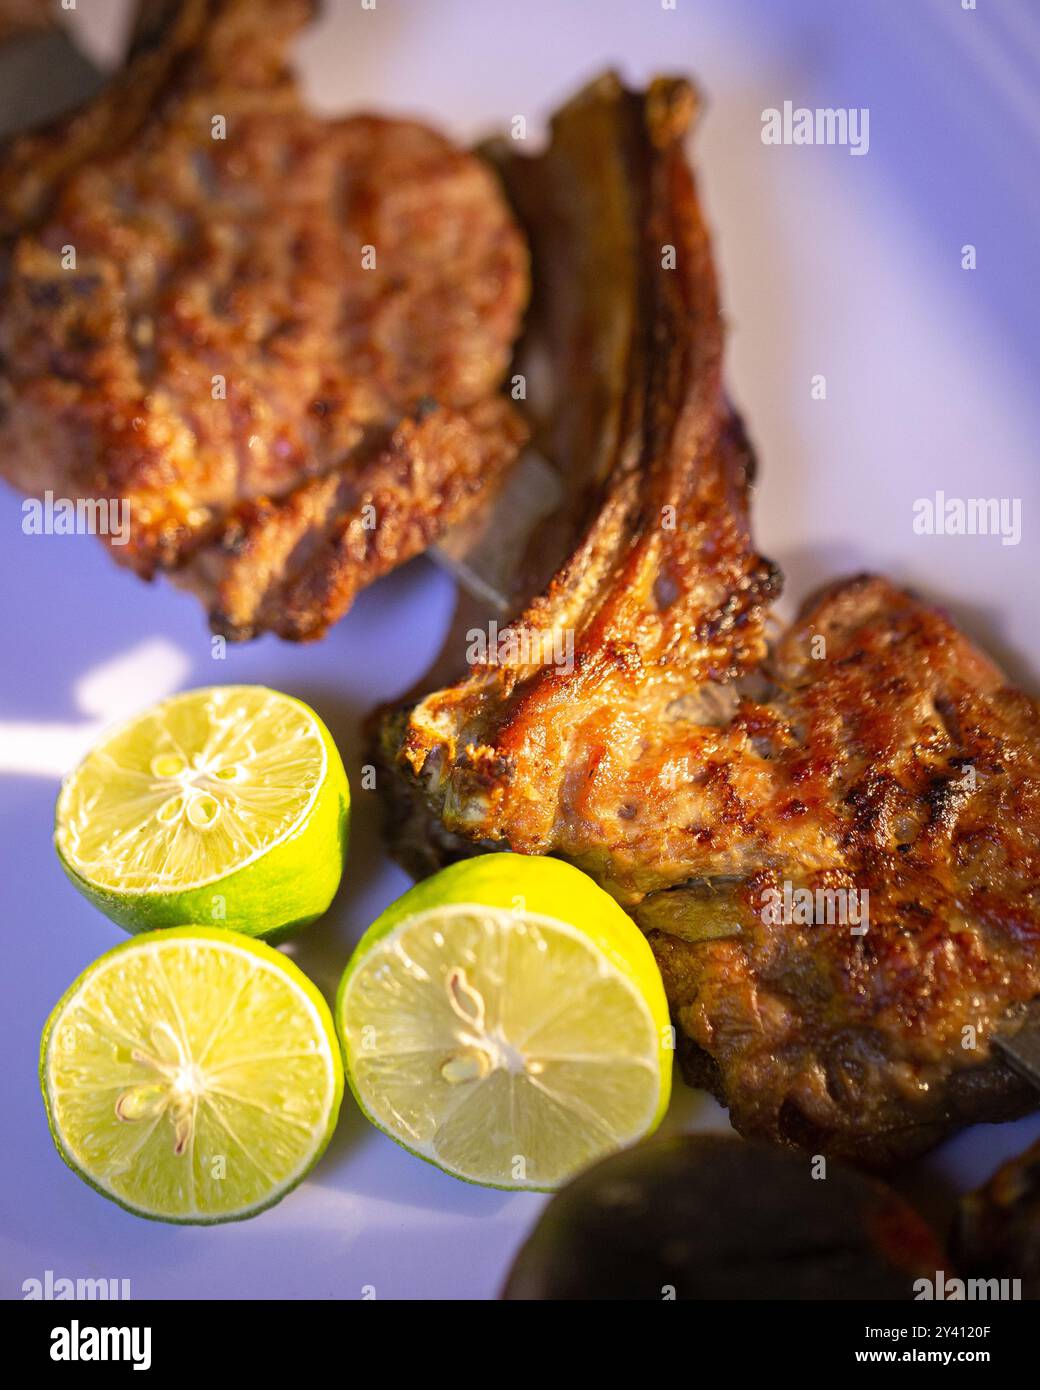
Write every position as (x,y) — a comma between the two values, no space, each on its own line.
(282,337)
(644,729)
(997,1235)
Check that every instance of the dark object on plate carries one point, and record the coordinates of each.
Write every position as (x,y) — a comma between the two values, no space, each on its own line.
(277,339)
(872,760)
(997,1235)
(708,1217)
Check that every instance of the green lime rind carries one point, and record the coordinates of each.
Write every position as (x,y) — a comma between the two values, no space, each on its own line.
(272,897)
(551,888)
(252,946)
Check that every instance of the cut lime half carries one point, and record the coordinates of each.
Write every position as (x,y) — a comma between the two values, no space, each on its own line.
(505,1019)
(226,806)
(192,1075)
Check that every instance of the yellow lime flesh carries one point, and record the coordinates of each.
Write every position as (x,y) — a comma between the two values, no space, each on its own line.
(227,806)
(505,1019)
(191,1075)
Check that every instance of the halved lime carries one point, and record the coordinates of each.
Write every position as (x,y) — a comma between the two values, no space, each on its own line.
(192,1075)
(506,1020)
(227,806)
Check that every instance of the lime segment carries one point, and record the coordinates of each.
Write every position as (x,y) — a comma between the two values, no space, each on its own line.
(509,1045)
(192,1075)
(225,805)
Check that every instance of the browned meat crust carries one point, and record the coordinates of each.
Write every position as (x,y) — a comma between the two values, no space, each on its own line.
(689,770)
(282,346)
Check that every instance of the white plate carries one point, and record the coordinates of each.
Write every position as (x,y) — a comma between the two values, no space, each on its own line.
(832,263)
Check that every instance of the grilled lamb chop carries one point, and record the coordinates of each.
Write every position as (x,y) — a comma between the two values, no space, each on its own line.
(693,770)
(282,345)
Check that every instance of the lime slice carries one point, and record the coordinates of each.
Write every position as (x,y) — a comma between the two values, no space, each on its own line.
(506,1020)
(226,806)
(192,1075)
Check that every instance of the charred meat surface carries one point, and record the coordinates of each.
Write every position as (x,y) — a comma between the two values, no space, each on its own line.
(279,338)
(704,1217)
(998,1227)
(871,758)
